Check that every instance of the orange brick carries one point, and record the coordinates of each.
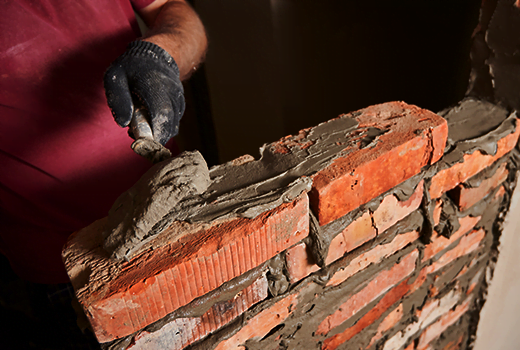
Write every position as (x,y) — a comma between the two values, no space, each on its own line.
(439,243)
(437,212)
(388,322)
(391,210)
(299,263)
(181,332)
(261,324)
(354,235)
(410,347)
(500,193)
(436,329)
(379,285)
(474,163)
(373,256)
(415,138)
(467,197)
(120,298)
(466,245)
(361,230)
(390,298)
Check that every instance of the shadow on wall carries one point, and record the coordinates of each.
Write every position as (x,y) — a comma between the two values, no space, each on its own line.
(275,67)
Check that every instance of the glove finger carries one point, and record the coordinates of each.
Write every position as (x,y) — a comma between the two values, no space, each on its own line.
(162,115)
(118,95)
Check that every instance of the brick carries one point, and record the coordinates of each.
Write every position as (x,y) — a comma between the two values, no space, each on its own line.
(391,210)
(442,324)
(439,243)
(410,347)
(455,344)
(500,193)
(437,212)
(394,295)
(474,163)
(299,262)
(354,235)
(388,322)
(361,230)
(379,285)
(474,282)
(261,324)
(466,245)
(120,298)
(373,256)
(414,138)
(181,332)
(467,197)
(430,312)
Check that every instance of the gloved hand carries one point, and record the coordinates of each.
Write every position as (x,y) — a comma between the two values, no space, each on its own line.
(148,75)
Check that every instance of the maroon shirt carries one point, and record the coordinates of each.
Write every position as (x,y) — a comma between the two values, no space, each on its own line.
(63,160)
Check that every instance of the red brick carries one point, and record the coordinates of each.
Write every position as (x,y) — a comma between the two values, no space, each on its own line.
(474,163)
(120,298)
(466,245)
(467,197)
(416,138)
(354,235)
(437,212)
(361,230)
(388,322)
(299,263)
(410,347)
(379,285)
(181,332)
(439,243)
(261,324)
(436,329)
(373,256)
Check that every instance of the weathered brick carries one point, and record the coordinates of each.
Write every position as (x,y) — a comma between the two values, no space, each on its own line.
(436,329)
(414,138)
(120,298)
(466,245)
(373,256)
(180,332)
(439,243)
(410,347)
(261,324)
(474,163)
(299,262)
(388,322)
(354,235)
(467,197)
(430,312)
(437,211)
(361,230)
(379,285)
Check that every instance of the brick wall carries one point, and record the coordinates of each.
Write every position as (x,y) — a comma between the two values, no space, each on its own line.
(375,230)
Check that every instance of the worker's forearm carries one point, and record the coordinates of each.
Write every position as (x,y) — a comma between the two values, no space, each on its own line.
(178,30)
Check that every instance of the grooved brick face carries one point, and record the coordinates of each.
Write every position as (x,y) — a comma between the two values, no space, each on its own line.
(132,295)
(180,332)
(413,138)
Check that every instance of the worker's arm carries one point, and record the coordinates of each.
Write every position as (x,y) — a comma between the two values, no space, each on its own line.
(175,27)
(150,71)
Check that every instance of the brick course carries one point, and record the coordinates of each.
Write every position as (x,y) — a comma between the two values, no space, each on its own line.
(385,280)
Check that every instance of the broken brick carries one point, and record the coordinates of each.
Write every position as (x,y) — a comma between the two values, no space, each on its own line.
(467,197)
(379,285)
(474,163)
(413,138)
(388,322)
(299,263)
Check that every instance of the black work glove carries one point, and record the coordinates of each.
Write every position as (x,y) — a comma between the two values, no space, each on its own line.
(146,74)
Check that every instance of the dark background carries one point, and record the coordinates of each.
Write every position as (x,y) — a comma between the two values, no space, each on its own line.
(275,67)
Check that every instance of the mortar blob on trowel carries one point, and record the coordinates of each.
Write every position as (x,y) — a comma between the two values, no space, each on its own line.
(145,144)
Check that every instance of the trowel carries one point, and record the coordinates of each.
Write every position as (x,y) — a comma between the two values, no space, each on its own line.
(145,145)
